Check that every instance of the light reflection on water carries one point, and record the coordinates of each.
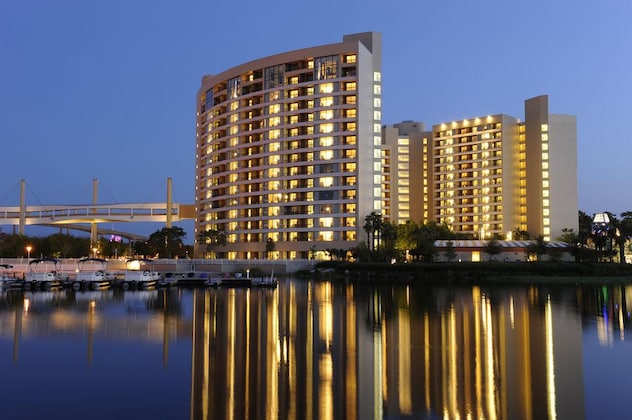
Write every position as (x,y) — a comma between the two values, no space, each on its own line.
(317,349)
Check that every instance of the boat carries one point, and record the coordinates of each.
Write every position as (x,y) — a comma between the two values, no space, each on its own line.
(140,273)
(91,273)
(44,272)
(236,280)
(9,279)
(265,281)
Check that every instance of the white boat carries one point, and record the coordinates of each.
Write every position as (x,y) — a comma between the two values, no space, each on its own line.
(267,281)
(8,279)
(140,273)
(92,273)
(44,272)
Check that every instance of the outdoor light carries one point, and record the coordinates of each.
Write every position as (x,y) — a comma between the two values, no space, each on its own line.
(28,252)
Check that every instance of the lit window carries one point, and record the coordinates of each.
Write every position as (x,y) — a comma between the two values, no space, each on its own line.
(326,181)
(326,101)
(377,140)
(377,115)
(351,58)
(349,86)
(326,222)
(350,100)
(326,88)
(326,115)
(377,89)
(326,236)
(545,127)
(326,154)
(377,102)
(326,128)
(377,76)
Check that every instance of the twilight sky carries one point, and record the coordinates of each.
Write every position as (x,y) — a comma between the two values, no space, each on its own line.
(106,89)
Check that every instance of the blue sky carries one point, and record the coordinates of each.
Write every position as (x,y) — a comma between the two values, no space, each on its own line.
(106,89)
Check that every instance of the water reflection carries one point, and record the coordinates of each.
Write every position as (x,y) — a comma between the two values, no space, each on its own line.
(324,350)
(148,315)
(328,350)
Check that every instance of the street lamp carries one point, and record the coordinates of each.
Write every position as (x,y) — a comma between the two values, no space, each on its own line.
(28,252)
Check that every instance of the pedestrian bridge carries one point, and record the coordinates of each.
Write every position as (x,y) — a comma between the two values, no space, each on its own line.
(96,213)
(76,216)
(71,216)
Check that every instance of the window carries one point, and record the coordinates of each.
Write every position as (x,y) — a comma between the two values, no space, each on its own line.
(326,101)
(326,67)
(233,87)
(273,76)
(326,88)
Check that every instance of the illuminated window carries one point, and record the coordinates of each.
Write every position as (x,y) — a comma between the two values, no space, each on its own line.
(545,127)
(326,101)
(325,88)
(326,154)
(350,100)
(377,89)
(326,236)
(349,86)
(326,181)
(326,222)
(351,58)
(377,76)
(350,113)
(326,115)
(326,128)
(377,115)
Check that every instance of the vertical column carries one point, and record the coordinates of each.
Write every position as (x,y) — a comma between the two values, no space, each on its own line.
(22,207)
(169,204)
(93,225)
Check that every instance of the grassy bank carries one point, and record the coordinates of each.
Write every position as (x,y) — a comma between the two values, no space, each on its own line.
(497,272)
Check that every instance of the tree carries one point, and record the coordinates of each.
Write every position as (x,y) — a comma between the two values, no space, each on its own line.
(405,240)
(450,252)
(166,242)
(537,248)
(270,247)
(520,235)
(574,241)
(373,227)
(493,248)
(624,233)
(212,239)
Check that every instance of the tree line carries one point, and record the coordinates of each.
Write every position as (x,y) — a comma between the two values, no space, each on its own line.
(386,242)
(163,243)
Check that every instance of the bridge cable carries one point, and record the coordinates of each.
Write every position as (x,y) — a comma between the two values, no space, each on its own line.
(10,192)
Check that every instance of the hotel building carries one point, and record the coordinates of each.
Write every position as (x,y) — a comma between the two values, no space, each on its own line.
(486,176)
(288,150)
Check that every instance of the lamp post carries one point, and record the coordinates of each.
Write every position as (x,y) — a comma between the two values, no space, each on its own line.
(28,252)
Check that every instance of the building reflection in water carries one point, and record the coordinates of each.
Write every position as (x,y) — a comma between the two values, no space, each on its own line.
(330,351)
(311,349)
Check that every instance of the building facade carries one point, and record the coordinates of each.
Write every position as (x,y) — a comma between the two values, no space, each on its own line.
(288,150)
(487,176)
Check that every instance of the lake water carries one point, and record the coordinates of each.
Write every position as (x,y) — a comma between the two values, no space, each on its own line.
(317,349)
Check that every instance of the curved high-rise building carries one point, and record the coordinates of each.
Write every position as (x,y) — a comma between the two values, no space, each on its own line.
(288,151)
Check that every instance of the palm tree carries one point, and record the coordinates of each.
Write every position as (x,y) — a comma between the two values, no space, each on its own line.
(373,227)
